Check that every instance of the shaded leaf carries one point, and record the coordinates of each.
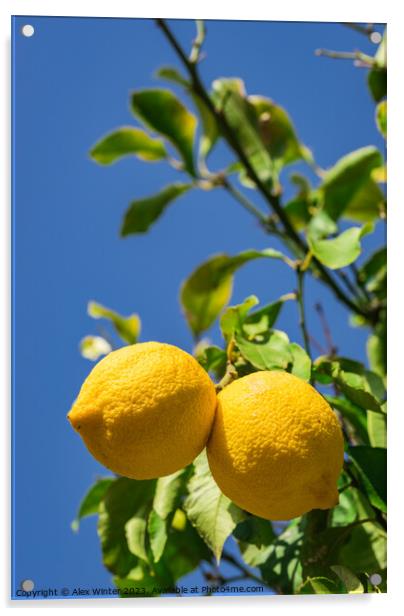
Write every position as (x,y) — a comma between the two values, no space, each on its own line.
(254,536)
(142,213)
(352,584)
(342,250)
(127,141)
(168,492)
(212,514)
(233,317)
(92,347)
(355,415)
(277,132)
(121,502)
(172,74)
(230,100)
(128,328)
(356,388)
(345,179)
(161,111)
(212,359)
(283,568)
(371,465)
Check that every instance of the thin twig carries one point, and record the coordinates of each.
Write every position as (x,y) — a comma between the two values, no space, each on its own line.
(246,203)
(366,30)
(233,561)
(302,316)
(331,348)
(357,56)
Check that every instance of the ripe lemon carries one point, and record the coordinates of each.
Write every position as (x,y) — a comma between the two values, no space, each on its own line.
(146,410)
(276,447)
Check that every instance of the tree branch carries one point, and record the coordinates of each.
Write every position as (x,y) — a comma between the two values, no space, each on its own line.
(273,200)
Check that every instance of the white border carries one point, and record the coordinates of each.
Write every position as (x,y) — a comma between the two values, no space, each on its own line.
(288,10)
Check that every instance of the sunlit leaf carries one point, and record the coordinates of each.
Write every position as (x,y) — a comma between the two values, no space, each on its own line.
(135,530)
(270,352)
(381,117)
(142,213)
(212,359)
(172,74)
(342,250)
(158,533)
(92,347)
(91,501)
(377,429)
(212,514)
(233,317)
(127,141)
(207,291)
(161,111)
(301,362)
(377,76)
(355,415)
(128,328)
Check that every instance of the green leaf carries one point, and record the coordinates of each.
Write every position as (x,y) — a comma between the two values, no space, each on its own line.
(161,111)
(377,429)
(355,414)
(381,118)
(91,501)
(262,320)
(342,250)
(127,141)
(212,514)
(128,328)
(283,565)
(92,347)
(270,352)
(142,213)
(233,317)
(366,204)
(377,349)
(352,584)
(172,74)
(255,537)
(121,502)
(356,388)
(207,291)
(168,492)
(301,362)
(319,586)
(135,530)
(158,533)
(377,76)
(212,359)
(230,100)
(343,181)
(365,549)
(371,465)
(321,225)
(277,132)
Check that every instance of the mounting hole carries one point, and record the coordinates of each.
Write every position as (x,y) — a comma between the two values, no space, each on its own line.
(28,30)
(27,585)
(376,38)
(375,579)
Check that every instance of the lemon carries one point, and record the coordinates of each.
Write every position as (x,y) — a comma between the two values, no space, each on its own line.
(276,447)
(145,410)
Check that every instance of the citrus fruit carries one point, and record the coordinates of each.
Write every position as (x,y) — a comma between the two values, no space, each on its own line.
(145,410)
(276,447)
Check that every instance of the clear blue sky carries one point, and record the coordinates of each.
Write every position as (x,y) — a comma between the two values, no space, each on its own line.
(72,82)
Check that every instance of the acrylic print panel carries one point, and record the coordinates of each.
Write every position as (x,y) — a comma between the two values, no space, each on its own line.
(226,202)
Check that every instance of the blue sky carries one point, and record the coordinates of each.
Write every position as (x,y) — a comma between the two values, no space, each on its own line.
(72,82)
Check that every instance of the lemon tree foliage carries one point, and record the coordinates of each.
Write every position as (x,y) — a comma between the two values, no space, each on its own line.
(153,532)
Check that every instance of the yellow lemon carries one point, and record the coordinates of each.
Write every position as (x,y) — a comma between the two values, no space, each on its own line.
(145,410)
(276,447)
